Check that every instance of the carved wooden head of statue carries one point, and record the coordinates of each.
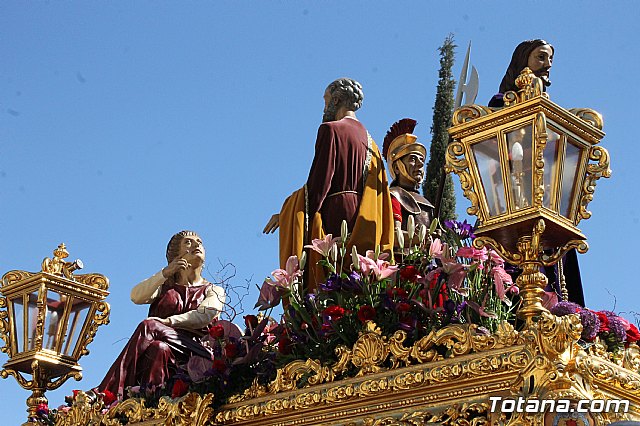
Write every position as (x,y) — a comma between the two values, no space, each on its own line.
(537,55)
(343,93)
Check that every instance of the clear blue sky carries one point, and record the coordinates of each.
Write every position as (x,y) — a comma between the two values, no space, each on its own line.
(124,122)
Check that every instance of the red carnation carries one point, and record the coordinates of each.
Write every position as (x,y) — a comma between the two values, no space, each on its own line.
(604,322)
(409,273)
(396,292)
(335,312)
(216,331)
(403,308)
(219,366)
(180,388)
(231,350)
(42,410)
(366,313)
(108,397)
(251,321)
(633,335)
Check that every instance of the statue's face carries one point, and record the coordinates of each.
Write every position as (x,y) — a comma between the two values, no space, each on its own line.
(330,108)
(192,250)
(414,165)
(540,60)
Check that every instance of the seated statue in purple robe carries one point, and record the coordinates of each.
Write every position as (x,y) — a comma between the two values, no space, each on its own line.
(182,306)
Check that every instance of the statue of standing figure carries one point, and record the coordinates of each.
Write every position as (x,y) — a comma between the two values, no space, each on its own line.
(538,56)
(183,304)
(405,158)
(347,182)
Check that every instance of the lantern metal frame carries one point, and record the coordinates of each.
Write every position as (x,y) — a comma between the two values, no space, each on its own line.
(536,233)
(30,306)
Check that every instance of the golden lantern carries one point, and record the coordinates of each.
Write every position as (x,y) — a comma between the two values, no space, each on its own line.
(529,170)
(49,319)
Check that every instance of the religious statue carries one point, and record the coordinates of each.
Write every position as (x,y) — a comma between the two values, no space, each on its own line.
(405,159)
(347,182)
(183,304)
(537,55)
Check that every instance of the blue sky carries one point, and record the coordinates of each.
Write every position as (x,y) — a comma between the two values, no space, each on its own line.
(122,123)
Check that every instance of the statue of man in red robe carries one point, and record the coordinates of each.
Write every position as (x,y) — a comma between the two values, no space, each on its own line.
(347,182)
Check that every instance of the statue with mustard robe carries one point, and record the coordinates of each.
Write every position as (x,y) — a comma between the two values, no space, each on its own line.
(347,182)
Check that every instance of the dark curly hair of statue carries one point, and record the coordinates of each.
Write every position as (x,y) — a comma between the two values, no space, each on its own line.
(173,248)
(519,61)
(348,91)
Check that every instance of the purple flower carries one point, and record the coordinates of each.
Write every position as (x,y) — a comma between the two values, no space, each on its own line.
(565,308)
(616,327)
(590,324)
(352,282)
(454,310)
(334,283)
(463,229)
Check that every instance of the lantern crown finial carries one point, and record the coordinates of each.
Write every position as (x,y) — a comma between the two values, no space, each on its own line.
(58,266)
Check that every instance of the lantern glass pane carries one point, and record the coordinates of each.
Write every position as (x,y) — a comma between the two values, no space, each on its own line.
(550,154)
(52,322)
(32,320)
(77,318)
(18,323)
(519,145)
(488,161)
(571,161)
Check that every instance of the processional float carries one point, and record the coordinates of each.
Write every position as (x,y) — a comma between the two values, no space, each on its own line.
(529,171)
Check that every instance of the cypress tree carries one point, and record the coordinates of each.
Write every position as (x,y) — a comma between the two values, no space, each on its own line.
(442,114)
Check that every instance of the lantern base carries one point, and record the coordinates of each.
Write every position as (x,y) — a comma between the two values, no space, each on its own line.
(558,230)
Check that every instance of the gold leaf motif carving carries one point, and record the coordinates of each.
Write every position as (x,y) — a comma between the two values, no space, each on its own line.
(594,172)
(469,113)
(457,163)
(590,116)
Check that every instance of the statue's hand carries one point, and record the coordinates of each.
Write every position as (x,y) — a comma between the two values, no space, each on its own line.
(178,264)
(272,225)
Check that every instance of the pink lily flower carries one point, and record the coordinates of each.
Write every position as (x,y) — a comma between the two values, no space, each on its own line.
(380,268)
(269,297)
(435,249)
(455,272)
(473,253)
(197,366)
(501,279)
(323,246)
(285,277)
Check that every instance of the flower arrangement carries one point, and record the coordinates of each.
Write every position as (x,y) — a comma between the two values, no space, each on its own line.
(436,282)
(613,331)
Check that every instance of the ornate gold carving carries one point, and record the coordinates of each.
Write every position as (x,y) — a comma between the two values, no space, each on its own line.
(594,172)
(468,113)
(15,276)
(94,280)
(58,266)
(190,410)
(100,317)
(4,326)
(540,143)
(590,116)
(460,166)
